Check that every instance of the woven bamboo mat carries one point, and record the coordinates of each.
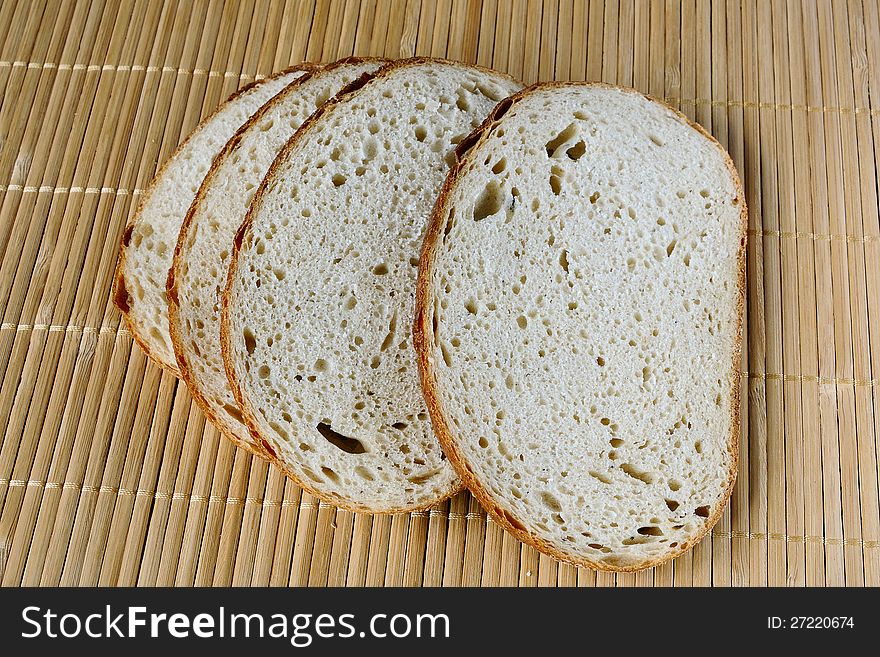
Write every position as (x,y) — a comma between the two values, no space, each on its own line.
(108,472)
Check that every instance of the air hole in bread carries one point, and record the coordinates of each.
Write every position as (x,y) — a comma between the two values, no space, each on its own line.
(392,328)
(330,474)
(421,479)
(450,223)
(656,140)
(650,531)
(577,151)
(670,248)
(489,202)
(490,92)
(563,260)
(250,341)
(234,412)
(311,475)
(637,540)
(555,183)
(381,269)
(594,197)
(375,361)
(363,473)
(447,358)
(499,166)
(702,511)
(421,133)
(673,485)
(344,443)
(563,137)
(636,473)
(672,505)
(550,501)
(263,372)
(601,477)
(279,430)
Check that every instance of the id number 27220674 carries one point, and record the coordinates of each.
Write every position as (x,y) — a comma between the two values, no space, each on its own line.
(810,622)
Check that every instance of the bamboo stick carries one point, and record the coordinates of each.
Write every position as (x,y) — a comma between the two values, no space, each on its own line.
(866,74)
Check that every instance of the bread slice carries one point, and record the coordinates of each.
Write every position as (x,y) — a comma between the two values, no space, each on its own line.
(578,323)
(201,259)
(321,291)
(148,240)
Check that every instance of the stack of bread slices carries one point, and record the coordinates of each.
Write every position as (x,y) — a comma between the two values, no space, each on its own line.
(393,279)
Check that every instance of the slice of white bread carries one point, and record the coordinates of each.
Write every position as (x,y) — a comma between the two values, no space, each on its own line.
(321,291)
(578,323)
(201,259)
(148,241)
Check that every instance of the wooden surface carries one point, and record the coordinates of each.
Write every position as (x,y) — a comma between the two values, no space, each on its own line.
(108,472)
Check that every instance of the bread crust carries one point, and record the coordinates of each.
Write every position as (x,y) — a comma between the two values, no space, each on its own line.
(226,347)
(120,296)
(423,332)
(174,319)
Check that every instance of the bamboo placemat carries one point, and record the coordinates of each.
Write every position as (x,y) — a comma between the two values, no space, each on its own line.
(110,475)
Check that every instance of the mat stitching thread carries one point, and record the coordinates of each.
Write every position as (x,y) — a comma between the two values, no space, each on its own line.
(852,239)
(759,376)
(785,107)
(433,513)
(809,378)
(49,189)
(123,68)
(55,328)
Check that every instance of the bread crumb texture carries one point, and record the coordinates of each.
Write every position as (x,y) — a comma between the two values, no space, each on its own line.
(585,293)
(322,300)
(223,203)
(150,248)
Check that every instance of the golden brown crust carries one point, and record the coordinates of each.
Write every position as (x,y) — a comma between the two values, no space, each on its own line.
(225,345)
(423,332)
(121,298)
